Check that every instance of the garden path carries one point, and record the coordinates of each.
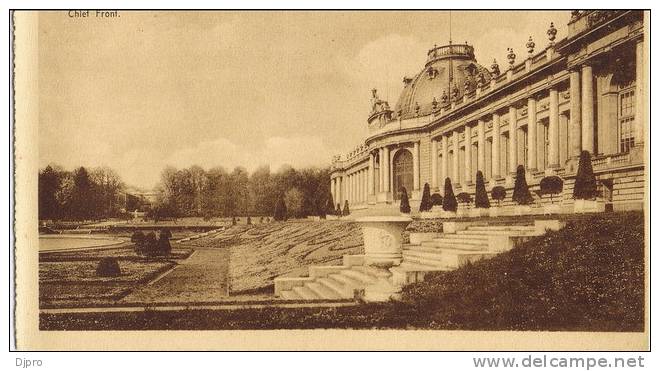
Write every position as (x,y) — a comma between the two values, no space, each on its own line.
(200,278)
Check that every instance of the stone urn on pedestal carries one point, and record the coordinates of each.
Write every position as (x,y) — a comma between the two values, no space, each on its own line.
(383,249)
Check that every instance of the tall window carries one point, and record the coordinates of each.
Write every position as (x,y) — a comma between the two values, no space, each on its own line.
(546,144)
(626,119)
(524,145)
(504,153)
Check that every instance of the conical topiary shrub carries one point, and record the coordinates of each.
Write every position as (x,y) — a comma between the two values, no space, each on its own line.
(338,211)
(585,182)
(425,204)
(347,211)
(521,193)
(404,206)
(330,205)
(280,209)
(481,196)
(449,202)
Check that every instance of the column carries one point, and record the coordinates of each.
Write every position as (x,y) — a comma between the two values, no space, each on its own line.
(363,183)
(553,129)
(349,189)
(370,174)
(386,173)
(587,109)
(481,145)
(445,160)
(333,188)
(434,164)
(454,175)
(416,166)
(575,126)
(495,150)
(381,159)
(513,142)
(531,133)
(340,194)
(468,153)
(640,111)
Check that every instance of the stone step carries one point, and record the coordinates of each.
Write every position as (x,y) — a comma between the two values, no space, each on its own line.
(498,233)
(373,272)
(290,295)
(463,241)
(470,236)
(347,280)
(455,246)
(363,278)
(323,291)
(338,287)
(522,228)
(440,264)
(306,293)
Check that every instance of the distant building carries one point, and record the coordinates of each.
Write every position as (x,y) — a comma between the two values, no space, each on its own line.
(540,110)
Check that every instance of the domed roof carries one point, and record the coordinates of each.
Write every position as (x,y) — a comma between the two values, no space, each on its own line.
(419,92)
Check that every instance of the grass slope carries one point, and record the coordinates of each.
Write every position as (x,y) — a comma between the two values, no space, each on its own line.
(587,277)
(261,252)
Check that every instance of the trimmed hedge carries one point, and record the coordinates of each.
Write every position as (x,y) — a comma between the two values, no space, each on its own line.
(404,207)
(449,201)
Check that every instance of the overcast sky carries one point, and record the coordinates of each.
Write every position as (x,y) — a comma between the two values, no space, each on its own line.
(151,89)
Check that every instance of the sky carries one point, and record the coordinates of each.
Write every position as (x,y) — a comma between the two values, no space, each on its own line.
(147,90)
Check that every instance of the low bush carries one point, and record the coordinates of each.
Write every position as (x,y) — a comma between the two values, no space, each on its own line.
(498,194)
(108,267)
(436,199)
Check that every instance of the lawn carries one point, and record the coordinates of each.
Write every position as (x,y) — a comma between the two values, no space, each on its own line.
(69,278)
(588,276)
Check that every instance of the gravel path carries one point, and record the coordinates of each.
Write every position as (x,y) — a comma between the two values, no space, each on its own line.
(201,277)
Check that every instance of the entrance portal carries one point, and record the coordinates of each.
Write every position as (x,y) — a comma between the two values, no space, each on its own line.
(403,173)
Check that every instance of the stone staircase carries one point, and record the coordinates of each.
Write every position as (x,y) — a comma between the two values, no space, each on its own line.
(460,243)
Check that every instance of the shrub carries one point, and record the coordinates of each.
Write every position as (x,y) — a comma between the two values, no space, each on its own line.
(436,199)
(347,211)
(329,207)
(280,209)
(261,219)
(150,244)
(481,196)
(464,198)
(138,239)
(449,201)
(404,206)
(164,247)
(338,211)
(108,267)
(521,192)
(249,221)
(425,204)
(551,185)
(233,220)
(585,181)
(498,194)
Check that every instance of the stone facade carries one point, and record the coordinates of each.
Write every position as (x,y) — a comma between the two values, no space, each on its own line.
(585,92)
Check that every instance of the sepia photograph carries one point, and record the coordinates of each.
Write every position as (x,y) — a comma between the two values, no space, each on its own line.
(451,175)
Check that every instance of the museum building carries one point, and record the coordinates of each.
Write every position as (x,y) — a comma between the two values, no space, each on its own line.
(455,117)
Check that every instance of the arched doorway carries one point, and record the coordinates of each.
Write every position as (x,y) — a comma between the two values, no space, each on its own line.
(403,172)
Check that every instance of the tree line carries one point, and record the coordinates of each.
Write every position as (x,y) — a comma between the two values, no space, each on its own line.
(100,193)
(79,194)
(219,193)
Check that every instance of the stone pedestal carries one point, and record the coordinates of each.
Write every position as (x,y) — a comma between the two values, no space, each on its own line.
(382,239)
